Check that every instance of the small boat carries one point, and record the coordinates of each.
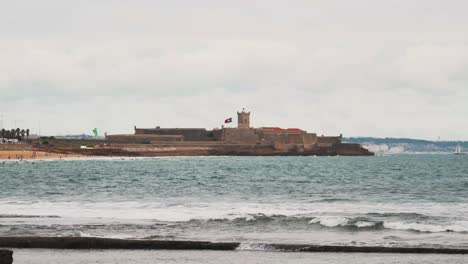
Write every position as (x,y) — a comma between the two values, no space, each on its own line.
(458,150)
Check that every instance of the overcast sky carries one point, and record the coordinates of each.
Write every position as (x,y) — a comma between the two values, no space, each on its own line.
(362,68)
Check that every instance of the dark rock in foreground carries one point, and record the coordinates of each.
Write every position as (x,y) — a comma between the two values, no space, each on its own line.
(6,256)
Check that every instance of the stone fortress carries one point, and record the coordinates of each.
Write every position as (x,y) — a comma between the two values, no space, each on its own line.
(240,140)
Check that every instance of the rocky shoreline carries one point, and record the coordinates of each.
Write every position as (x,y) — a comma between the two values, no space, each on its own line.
(71,147)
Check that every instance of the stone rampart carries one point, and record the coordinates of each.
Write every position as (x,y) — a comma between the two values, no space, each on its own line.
(309,140)
(68,142)
(244,135)
(323,141)
(189,134)
(143,138)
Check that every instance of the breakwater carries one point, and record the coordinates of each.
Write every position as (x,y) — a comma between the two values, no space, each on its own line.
(109,243)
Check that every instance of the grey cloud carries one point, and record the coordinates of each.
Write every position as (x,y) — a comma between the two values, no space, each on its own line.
(378,68)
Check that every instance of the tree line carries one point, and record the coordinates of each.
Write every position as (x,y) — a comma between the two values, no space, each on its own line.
(14,133)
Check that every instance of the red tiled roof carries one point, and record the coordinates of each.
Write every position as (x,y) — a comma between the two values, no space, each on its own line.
(279,129)
(295,129)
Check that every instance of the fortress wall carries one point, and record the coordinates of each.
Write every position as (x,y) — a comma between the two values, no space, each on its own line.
(278,130)
(181,144)
(279,141)
(189,134)
(328,141)
(287,142)
(271,136)
(295,147)
(294,139)
(280,145)
(286,138)
(217,134)
(143,139)
(188,143)
(70,142)
(244,135)
(310,140)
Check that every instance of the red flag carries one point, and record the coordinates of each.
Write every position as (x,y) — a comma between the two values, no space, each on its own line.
(228,120)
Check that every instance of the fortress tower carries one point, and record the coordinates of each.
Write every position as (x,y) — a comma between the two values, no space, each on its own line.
(243,119)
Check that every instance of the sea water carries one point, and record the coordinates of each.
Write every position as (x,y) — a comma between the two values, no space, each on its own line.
(401,200)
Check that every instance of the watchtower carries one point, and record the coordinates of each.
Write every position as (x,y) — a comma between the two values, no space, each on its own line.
(243,119)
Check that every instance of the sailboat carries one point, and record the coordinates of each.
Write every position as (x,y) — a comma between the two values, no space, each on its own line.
(458,150)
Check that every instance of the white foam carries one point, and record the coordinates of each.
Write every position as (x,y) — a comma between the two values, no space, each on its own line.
(362,224)
(254,247)
(249,218)
(84,234)
(456,226)
(330,221)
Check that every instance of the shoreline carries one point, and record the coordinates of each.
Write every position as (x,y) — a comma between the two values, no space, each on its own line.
(132,244)
(38,155)
(18,155)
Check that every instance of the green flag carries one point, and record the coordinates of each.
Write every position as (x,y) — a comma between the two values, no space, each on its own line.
(95,132)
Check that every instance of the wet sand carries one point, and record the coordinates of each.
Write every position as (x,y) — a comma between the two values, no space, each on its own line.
(48,256)
(30,155)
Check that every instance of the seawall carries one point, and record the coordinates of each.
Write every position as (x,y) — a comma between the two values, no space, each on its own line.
(108,243)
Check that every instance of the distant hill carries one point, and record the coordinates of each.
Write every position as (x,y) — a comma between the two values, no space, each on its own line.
(80,136)
(406,145)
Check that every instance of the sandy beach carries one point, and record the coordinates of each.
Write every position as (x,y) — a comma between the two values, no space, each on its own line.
(31,154)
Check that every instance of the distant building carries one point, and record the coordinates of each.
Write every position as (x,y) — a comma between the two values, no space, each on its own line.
(279,138)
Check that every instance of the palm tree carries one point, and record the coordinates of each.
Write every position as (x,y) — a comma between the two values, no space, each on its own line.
(27,132)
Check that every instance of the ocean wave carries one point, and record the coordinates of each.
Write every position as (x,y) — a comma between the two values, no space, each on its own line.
(402,215)
(253,218)
(351,223)
(183,210)
(330,221)
(354,223)
(344,223)
(359,223)
(456,226)
(346,216)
